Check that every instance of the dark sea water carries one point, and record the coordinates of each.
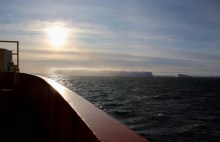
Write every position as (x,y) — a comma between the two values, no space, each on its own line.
(158,108)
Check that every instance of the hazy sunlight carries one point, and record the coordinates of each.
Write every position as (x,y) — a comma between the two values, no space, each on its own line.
(57,35)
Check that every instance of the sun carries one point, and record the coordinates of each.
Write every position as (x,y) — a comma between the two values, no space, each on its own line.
(57,35)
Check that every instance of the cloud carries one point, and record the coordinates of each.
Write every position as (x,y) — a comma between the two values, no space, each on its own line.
(134,35)
(95,60)
(87,72)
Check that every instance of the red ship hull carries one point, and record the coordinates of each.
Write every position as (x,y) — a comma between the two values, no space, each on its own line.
(65,115)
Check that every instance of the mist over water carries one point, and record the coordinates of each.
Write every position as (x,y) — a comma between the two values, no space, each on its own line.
(158,108)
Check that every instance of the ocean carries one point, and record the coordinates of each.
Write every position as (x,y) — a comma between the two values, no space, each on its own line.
(158,108)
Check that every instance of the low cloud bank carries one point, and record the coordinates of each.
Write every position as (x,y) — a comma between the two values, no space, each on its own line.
(78,72)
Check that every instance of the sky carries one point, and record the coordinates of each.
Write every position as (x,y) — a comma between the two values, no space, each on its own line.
(159,36)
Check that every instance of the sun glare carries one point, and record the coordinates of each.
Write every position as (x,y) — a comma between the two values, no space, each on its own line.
(57,35)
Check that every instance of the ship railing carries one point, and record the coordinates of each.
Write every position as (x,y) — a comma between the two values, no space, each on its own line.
(15,67)
(67,116)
